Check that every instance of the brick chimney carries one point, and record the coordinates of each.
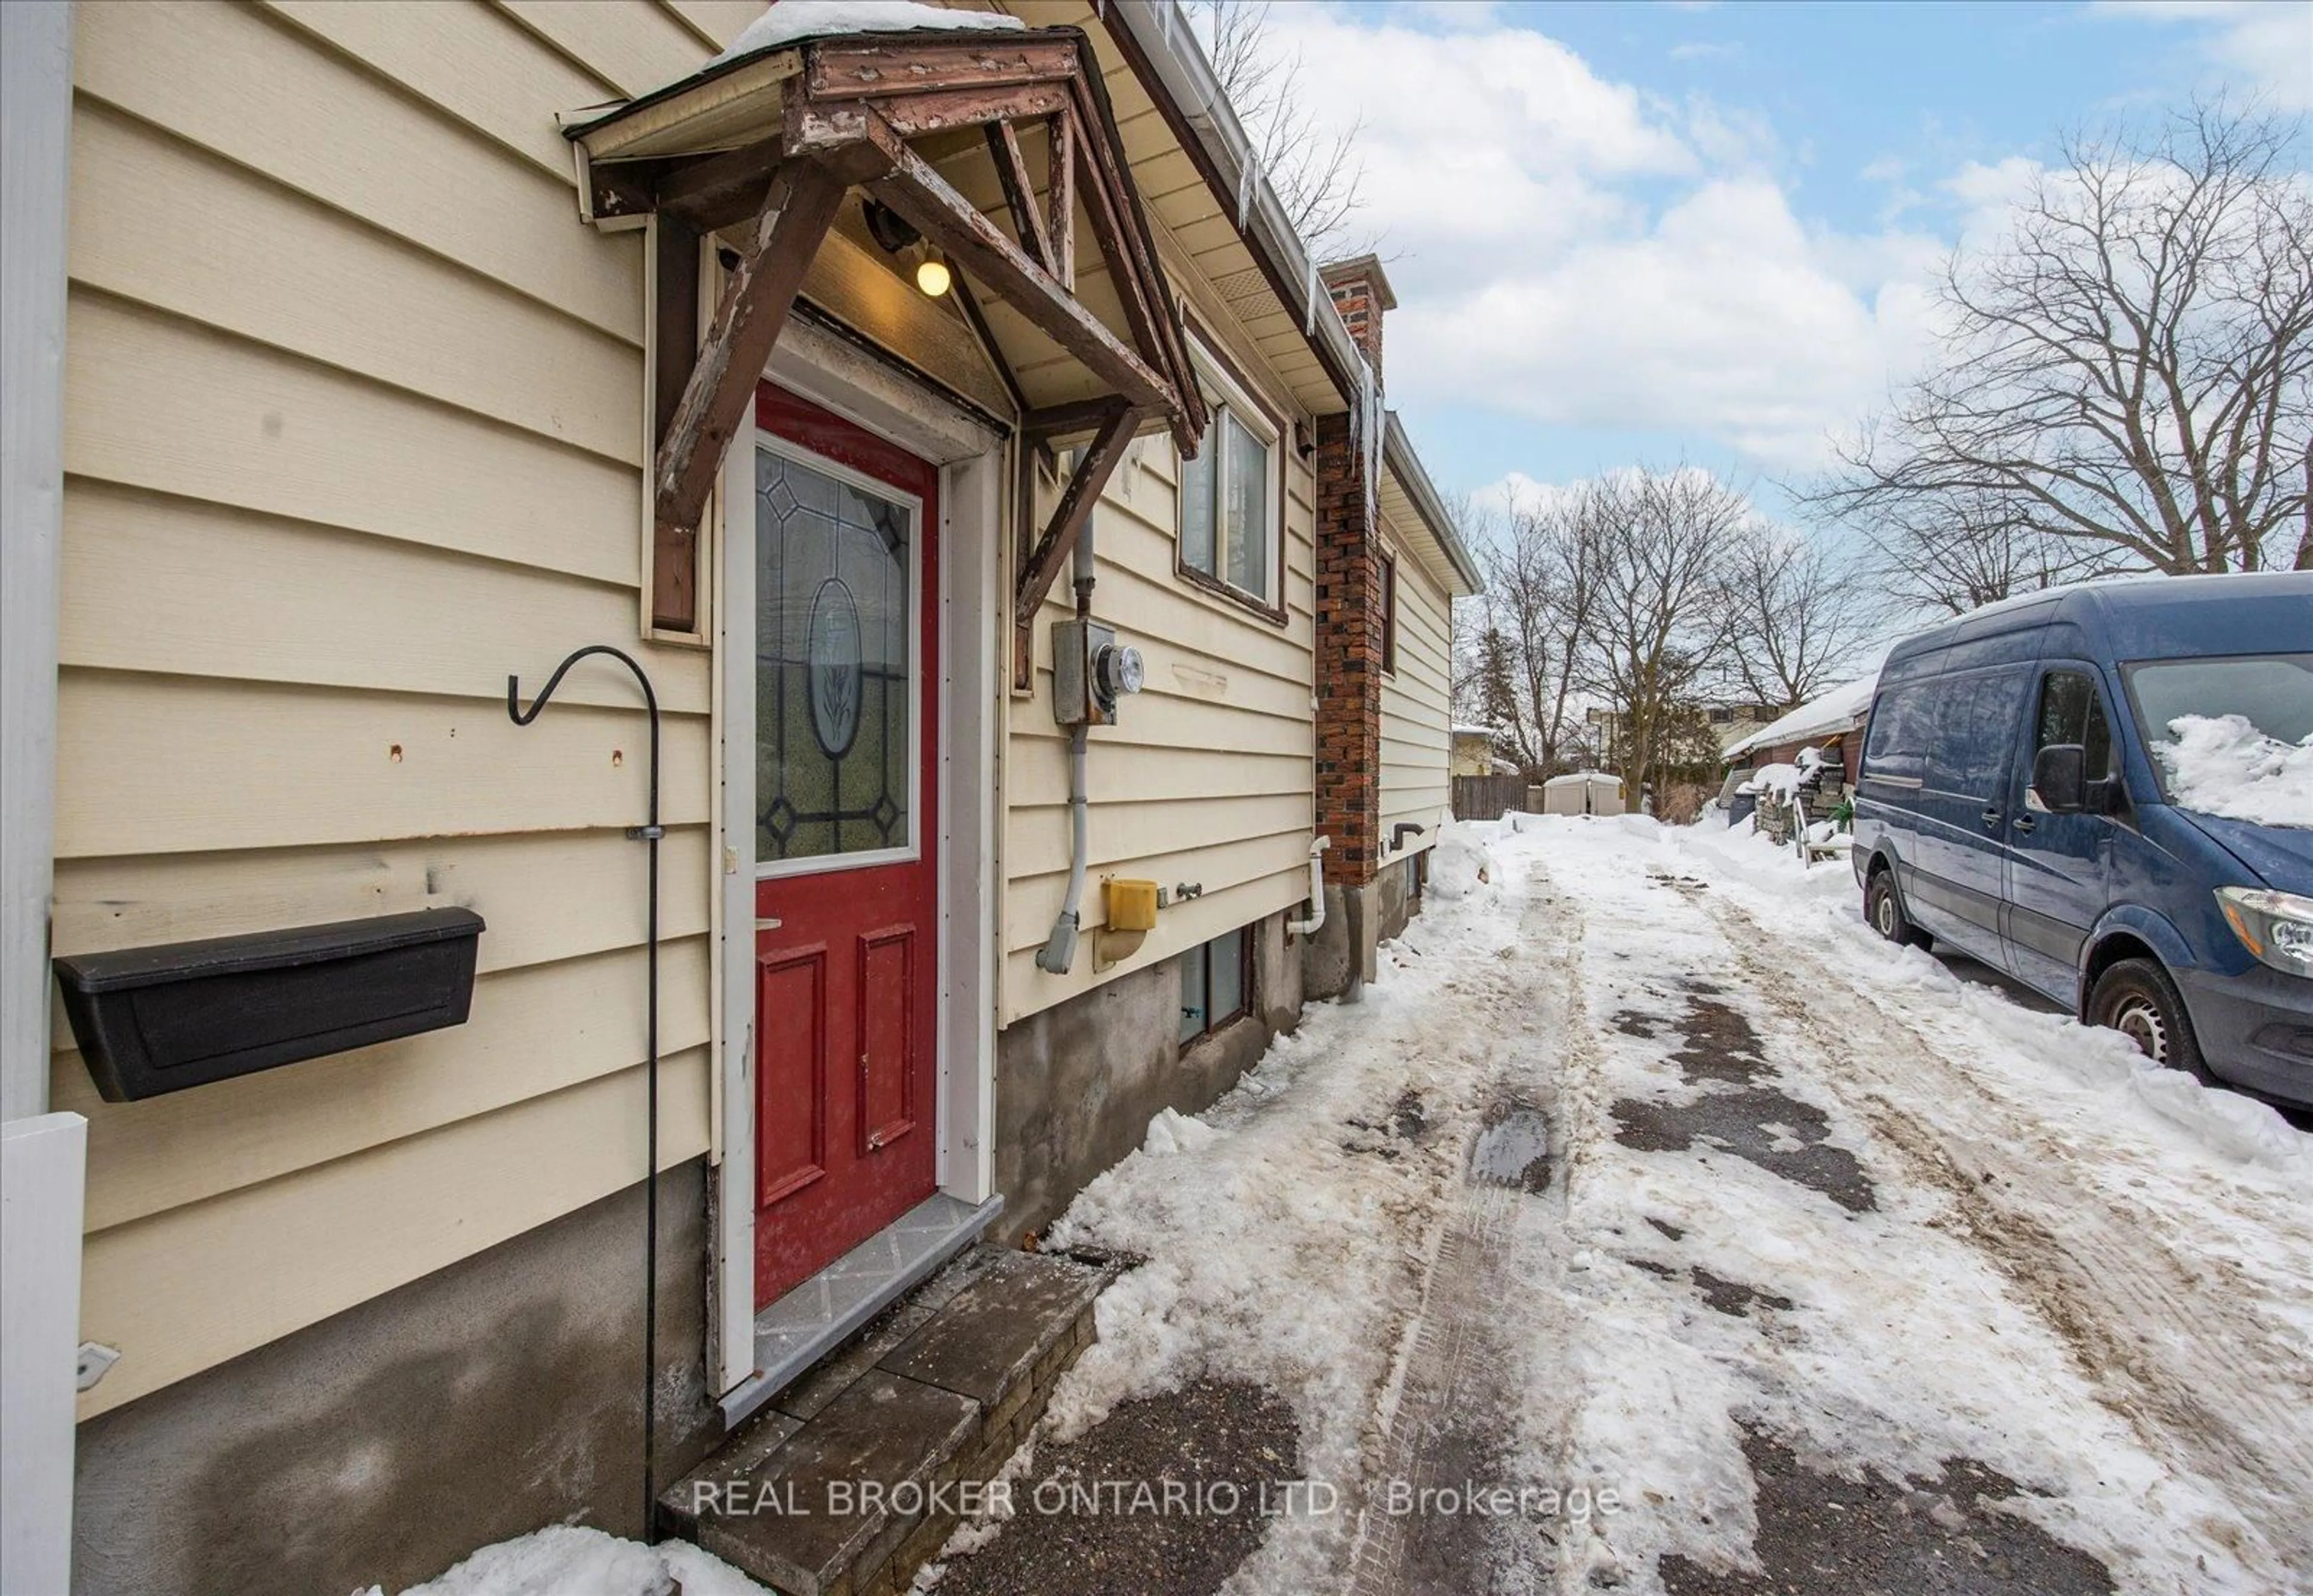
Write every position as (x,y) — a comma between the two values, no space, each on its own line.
(1361,293)
(1349,650)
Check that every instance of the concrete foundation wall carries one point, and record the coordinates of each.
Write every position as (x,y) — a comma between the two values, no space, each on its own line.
(490,1398)
(1393,889)
(1076,1085)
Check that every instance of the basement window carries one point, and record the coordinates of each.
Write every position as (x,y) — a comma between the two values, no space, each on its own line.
(1215,984)
(1231,498)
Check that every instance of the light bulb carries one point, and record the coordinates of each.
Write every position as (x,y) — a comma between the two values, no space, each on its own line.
(932,275)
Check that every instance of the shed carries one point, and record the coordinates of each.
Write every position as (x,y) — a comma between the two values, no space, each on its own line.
(1583,792)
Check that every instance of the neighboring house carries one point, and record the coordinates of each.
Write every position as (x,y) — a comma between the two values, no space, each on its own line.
(1832,722)
(1474,752)
(409,349)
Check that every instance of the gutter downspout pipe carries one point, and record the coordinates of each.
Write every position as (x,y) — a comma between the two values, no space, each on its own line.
(1060,949)
(1316,920)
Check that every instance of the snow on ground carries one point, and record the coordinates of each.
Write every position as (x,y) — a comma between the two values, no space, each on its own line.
(2224,765)
(569,1560)
(2083,1274)
(1960,1228)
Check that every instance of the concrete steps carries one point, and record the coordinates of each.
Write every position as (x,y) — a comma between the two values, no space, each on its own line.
(851,1479)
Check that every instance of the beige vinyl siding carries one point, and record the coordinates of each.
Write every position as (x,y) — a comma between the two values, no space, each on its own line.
(353,432)
(1207,776)
(1416,716)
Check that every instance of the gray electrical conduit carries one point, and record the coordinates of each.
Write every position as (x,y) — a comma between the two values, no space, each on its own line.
(1060,949)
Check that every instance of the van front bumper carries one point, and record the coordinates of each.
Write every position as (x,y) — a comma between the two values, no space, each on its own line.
(2256,1029)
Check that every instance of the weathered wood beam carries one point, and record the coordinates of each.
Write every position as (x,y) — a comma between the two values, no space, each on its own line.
(1043,566)
(935,209)
(1020,195)
(1129,269)
(756,296)
(1060,192)
(840,69)
(717,190)
(1064,420)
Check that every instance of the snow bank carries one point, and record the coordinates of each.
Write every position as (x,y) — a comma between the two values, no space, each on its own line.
(568,1560)
(1173,1131)
(2226,766)
(1460,862)
(791,20)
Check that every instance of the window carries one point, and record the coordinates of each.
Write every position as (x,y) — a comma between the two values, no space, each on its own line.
(1389,615)
(1228,534)
(2072,711)
(1215,984)
(1895,747)
(1975,726)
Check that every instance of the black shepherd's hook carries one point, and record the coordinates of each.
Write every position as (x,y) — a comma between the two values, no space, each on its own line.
(650,833)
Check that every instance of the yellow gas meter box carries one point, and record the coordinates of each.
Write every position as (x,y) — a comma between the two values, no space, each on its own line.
(1131,905)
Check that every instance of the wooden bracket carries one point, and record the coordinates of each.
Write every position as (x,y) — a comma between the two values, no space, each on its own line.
(756,296)
(1042,566)
(951,222)
(1020,194)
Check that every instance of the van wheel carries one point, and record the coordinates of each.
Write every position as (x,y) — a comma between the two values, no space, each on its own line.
(2136,998)
(1885,910)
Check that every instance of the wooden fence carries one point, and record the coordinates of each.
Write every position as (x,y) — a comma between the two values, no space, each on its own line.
(1487,797)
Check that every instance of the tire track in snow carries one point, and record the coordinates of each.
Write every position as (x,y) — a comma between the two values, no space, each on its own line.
(1444,1414)
(2205,1382)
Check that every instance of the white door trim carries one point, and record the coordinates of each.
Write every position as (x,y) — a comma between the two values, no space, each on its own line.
(843,379)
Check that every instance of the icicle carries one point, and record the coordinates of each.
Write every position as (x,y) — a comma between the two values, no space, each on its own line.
(1244,181)
(1309,298)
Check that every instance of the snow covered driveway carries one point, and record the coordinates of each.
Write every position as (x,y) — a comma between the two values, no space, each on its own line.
(1788,1261)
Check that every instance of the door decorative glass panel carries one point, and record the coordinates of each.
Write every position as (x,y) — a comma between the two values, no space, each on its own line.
(835,711)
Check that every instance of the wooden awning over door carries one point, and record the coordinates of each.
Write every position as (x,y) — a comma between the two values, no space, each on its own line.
(763,149)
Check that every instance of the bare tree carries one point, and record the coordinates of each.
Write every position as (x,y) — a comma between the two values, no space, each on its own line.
(1956,552)
(1316,176)
(1657,631)
(1794,613)
(2128,376)
(1541,593)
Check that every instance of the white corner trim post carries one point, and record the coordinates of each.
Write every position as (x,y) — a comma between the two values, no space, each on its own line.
(43,1163)
(35,145)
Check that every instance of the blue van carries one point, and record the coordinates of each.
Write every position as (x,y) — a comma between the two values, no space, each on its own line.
(2019,800)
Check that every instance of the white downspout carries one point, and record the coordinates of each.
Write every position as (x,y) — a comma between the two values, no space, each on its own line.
(1316,922)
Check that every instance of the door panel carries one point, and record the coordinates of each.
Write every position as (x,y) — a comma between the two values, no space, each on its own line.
(847,753)
(790,1079)
(1963,807)
(2058,865)
(887,1038)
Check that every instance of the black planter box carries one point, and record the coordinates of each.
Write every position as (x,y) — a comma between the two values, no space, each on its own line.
(157,1019)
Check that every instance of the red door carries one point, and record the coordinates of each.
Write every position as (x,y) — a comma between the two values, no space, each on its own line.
(847,898)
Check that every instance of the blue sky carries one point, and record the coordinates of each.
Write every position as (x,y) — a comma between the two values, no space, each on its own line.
(1706,231)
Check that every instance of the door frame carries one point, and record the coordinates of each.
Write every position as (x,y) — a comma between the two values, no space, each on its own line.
(962,688)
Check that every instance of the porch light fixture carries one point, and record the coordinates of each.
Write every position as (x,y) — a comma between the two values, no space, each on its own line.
(896,235)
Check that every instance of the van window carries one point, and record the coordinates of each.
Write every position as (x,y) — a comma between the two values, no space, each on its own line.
(1895,747)
(1975,732)
(2072,711)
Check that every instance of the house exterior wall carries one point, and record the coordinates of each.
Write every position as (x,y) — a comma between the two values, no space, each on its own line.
(1416,706)
(353,432)
(1206,776)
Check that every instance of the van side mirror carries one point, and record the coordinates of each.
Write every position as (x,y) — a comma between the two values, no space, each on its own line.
(2060,776)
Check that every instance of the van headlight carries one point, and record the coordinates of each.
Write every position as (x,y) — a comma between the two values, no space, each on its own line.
(2276,926)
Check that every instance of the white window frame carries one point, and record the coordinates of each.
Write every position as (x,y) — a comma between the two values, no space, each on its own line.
(1222,391)
(925,682)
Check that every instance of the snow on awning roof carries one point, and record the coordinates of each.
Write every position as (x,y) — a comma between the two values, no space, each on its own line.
(794,20)
(1841,709)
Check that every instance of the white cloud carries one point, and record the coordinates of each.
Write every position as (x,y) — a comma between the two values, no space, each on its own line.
(2269,42)
(1571,250)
